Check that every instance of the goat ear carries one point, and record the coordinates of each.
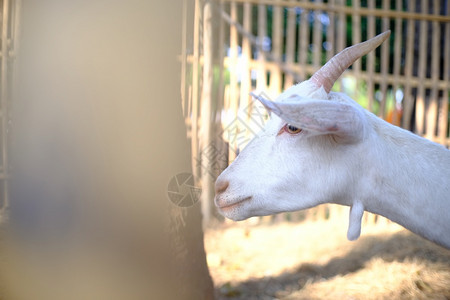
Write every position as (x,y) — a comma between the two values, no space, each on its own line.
(321,117)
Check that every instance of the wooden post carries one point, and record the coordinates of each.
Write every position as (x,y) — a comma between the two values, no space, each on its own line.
(261,82)
(356,39)
(331,32)
(303,41)
(233,89)
(277,42)
(397,61)
(432,111)
(443,118)
(195,87)
(370,58)
(420,102)
(290,45)
(221,96)
(317,39)
(384,64)
(4,101)
(408,101)
(246,56)
(341,35)
(207,115)
(184,60)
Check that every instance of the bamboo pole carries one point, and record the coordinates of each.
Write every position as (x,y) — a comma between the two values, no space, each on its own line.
(184,104)
(221,57)
(4,101)
(207,115)
(303,41)
(420,102)
(261,76)
(195,87)
(377,77)
(356,39)
(331,32)
(277,50)
(317,39)
(246,56)
(408,101)
(341,41)
(443,120)
(234,107)
(384,64)
(370,59)
(432,111)
(290,45)
(221,96)
(342,35)
(397,61)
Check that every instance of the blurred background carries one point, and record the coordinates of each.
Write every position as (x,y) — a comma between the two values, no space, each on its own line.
(108,107)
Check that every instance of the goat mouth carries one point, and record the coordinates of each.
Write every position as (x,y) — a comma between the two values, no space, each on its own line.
(234,204)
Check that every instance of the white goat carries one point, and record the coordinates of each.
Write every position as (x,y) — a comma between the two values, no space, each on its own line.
(322,147)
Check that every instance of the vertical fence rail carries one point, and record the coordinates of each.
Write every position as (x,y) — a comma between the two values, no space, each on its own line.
(10,13)
(356,39)
(261,24)
(207,112)
(397,63)
(420,102)
(303,41)
(4,95)
(193,115)
(444,120)
(290,44)
(331,32)
(277,48)
(270,44)
(408,101)
(246,58)
(370,59)
(384,64)
(317,38)
(341,35)
(432,111)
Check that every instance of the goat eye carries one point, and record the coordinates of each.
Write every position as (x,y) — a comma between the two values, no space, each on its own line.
(292,129)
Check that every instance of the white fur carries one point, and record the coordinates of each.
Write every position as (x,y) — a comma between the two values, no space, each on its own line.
(379,168)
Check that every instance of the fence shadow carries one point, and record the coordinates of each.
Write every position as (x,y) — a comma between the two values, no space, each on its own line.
(397,247)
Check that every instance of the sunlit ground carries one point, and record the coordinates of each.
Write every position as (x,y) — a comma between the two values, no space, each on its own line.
(314,260)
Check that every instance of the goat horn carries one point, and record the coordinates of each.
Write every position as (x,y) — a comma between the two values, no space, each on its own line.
(333,69)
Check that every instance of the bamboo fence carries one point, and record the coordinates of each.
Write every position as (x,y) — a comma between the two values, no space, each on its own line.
(235,47)
(9,22)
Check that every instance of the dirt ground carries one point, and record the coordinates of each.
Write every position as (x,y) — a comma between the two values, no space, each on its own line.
(314,260)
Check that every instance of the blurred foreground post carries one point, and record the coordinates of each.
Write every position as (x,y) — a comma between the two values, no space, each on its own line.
(98,134)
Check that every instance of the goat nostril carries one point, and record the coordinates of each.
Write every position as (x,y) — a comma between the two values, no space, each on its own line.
(221,186)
